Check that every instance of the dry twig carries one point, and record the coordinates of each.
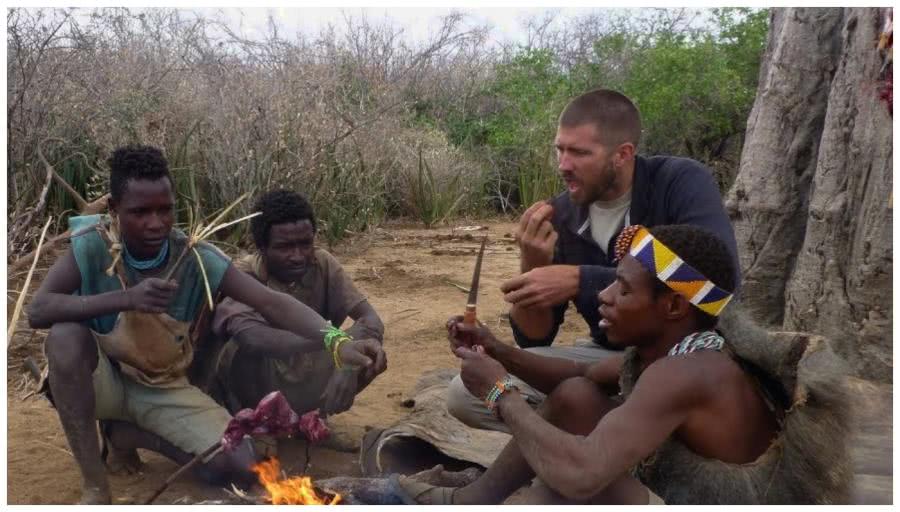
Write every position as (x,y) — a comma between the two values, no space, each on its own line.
(92,208)
(45,443)
(80,203)
(200,231)
(462,288)
(18,309)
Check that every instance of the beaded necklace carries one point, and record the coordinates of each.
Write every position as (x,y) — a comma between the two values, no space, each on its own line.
(701,340)
(146,264)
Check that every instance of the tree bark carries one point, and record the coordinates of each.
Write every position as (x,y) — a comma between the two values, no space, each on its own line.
(842,284)
(810,204)
(767,203)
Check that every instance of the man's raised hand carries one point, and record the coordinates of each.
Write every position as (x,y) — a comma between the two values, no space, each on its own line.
(340,391)
(462,335)
(542,287)
(152,295)
(536,236)
(479,372)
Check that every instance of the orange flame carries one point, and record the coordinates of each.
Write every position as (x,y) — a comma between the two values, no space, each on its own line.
(297,490)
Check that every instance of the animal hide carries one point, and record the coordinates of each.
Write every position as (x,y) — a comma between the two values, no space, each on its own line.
(809,461)
(429,422)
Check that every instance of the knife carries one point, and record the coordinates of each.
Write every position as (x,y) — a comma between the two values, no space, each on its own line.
(469,316)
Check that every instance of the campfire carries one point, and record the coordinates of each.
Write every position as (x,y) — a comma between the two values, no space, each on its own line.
(297,490)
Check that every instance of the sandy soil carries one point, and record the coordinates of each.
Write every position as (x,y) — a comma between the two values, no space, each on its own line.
(412,277)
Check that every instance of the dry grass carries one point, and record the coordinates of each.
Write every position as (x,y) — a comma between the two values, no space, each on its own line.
(200,231)
(329,116)
(11,330)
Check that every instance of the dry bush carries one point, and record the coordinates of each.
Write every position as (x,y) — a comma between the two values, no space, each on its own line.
(435,179)
(319,115)
(339,115)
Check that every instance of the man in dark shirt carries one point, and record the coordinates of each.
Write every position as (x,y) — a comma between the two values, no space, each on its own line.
(260,358)
(566,244)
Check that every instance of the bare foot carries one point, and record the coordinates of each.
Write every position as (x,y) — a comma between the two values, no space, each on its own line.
(119,460)
(92,495)
(123,462)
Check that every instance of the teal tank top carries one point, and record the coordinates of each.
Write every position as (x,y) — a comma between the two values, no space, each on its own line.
(91,252)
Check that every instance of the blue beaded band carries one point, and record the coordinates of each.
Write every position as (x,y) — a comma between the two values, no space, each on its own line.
(146,264)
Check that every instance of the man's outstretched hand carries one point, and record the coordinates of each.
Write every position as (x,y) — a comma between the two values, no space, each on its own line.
(367,355)
(461,335)
(479,371)
(357,357)
(340,391)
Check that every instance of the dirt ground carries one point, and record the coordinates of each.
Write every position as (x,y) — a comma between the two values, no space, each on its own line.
(413,277)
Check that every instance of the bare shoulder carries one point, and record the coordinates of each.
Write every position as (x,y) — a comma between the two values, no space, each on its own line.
(63,276)
(692,377)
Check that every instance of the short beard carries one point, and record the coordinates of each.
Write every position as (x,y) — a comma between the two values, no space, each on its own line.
(611,178)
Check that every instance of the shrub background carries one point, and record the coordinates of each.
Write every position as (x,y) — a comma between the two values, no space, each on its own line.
(367,123)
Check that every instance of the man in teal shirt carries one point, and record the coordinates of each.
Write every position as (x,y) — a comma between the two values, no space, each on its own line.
(121,311)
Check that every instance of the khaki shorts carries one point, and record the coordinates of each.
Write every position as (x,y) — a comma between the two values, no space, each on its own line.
(184,416)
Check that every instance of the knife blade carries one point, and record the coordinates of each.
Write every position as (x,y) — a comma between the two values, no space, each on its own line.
(469,316)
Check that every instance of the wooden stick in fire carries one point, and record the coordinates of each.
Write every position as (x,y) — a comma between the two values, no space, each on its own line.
(209,453)
(274,414)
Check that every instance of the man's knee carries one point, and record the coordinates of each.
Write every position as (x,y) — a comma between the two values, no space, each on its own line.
(462,405)
(70,348)
(575,396)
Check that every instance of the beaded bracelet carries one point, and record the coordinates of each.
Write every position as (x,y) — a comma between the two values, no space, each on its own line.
(500,387)
(333,339)
(336,352)
(332,334)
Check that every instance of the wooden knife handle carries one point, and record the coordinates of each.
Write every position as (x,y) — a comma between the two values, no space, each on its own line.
(469,316)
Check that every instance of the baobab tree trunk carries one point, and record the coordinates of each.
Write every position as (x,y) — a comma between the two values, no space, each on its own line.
(810,204)
(768,200)
(842,284)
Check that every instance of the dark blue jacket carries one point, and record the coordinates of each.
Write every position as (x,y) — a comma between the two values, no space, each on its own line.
(665,190)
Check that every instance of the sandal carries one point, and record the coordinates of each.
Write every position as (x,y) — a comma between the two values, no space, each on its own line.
(441,477)
(414,492)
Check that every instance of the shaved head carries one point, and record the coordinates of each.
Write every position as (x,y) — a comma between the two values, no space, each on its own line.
(614,115)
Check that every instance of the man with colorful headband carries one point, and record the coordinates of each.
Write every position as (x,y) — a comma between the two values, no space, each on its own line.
(704,416)
(258,357)
(565,244)
(123,306)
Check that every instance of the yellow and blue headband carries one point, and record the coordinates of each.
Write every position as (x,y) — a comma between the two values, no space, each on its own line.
(672,270)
